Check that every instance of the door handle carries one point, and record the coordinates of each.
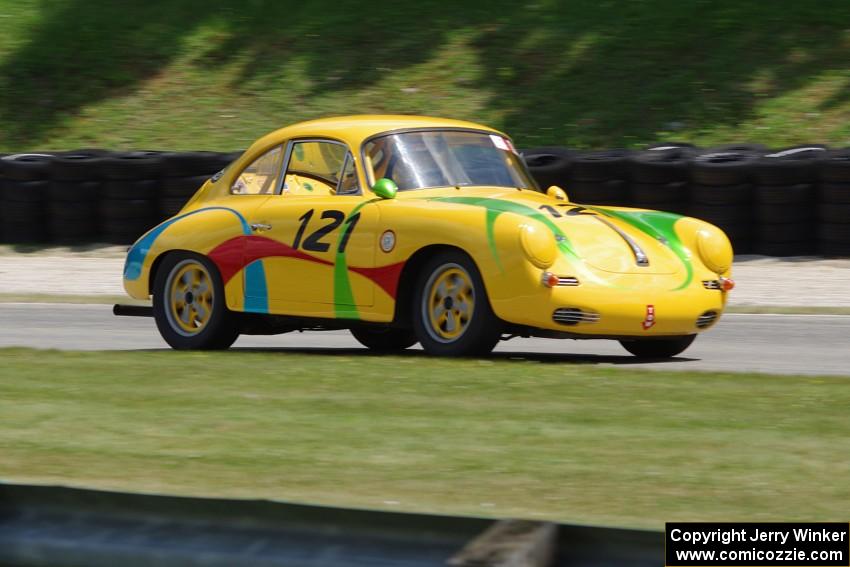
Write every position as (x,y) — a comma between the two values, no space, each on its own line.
(259,226)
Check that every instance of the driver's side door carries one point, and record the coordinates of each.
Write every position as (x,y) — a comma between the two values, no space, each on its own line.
(313,231)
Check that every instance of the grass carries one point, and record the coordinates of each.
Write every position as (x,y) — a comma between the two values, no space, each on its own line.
(181,75)
(484,437)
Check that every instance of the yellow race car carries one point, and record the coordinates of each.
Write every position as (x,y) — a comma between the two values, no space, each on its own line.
(410,229)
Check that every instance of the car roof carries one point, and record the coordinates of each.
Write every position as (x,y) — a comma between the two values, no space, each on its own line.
(356,128)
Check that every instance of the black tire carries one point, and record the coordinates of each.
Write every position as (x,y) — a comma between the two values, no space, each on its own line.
(659,192)
(800,194)
(658,348)
(125,231)
(77,166)
(133,165)
(677,207)
(27,167)
(611,192)
(660,165)
(741,147)
(118,209)
(549,166)
(18,232)
(785,249)
(767,213)
(600,165)
(835,232)
(835,166)
(483,329)
(170,206)
(130,189)
(218,332)
(73,191)
(74,231)
(786,232)
(722,168)
(192,164)
(84,211)
(834,249)
(24,191)
(384,339)
(834,193)
(23,212)
(722,214)
(740,194)
(789,166)
(670,146)
(834,212)
(182,186)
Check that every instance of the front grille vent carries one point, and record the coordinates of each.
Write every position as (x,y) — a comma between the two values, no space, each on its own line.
(711,284)
(706,320)
(573,316)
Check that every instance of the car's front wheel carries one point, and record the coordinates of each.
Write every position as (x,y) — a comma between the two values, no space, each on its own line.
(658,348)
(189,306)
(384,339)
(451,313)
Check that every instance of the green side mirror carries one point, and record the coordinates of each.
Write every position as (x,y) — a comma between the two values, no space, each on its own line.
(557,193)
(385,188)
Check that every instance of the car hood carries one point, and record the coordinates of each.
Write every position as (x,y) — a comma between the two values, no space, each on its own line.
(611,239)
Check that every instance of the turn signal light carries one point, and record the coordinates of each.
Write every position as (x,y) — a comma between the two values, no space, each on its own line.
(549,279)
(727,284)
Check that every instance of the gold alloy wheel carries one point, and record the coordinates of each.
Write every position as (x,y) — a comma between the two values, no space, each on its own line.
(448,303)
(189,297)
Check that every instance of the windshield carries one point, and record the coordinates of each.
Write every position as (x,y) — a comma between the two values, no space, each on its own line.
(419,160)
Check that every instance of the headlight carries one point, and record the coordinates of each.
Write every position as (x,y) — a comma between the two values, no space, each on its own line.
(714,249)
(538,243)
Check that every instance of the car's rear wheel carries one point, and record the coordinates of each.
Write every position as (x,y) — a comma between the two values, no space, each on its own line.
(384,339)
(189,306)
(452,314)
(658,348)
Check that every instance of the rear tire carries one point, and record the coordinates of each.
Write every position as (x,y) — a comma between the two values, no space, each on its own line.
(384,339)
(189,306)
(658,348)
(451,312)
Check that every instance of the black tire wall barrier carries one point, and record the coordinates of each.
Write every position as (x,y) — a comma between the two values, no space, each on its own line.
(787,202)
(92,195)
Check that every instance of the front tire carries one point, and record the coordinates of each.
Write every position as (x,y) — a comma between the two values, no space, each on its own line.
(384,339)
(189,306)
(658,348)
(451,312)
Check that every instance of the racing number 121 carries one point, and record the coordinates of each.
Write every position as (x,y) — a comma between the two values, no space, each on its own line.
(314,242)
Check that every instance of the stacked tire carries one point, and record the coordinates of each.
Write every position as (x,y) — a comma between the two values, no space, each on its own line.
(834,206)
(549,166)
(185,173)
(23,197)
(73,196)
(599,178)
(721,191)
(784,201)
(129,195)
(659,177)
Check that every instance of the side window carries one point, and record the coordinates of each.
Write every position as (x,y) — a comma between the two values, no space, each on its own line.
(319,168)
(348,184)
(261,176)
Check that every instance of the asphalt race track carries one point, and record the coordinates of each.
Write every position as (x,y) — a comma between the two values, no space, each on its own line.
(781,344)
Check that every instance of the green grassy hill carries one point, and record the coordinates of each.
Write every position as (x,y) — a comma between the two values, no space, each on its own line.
(193,74)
